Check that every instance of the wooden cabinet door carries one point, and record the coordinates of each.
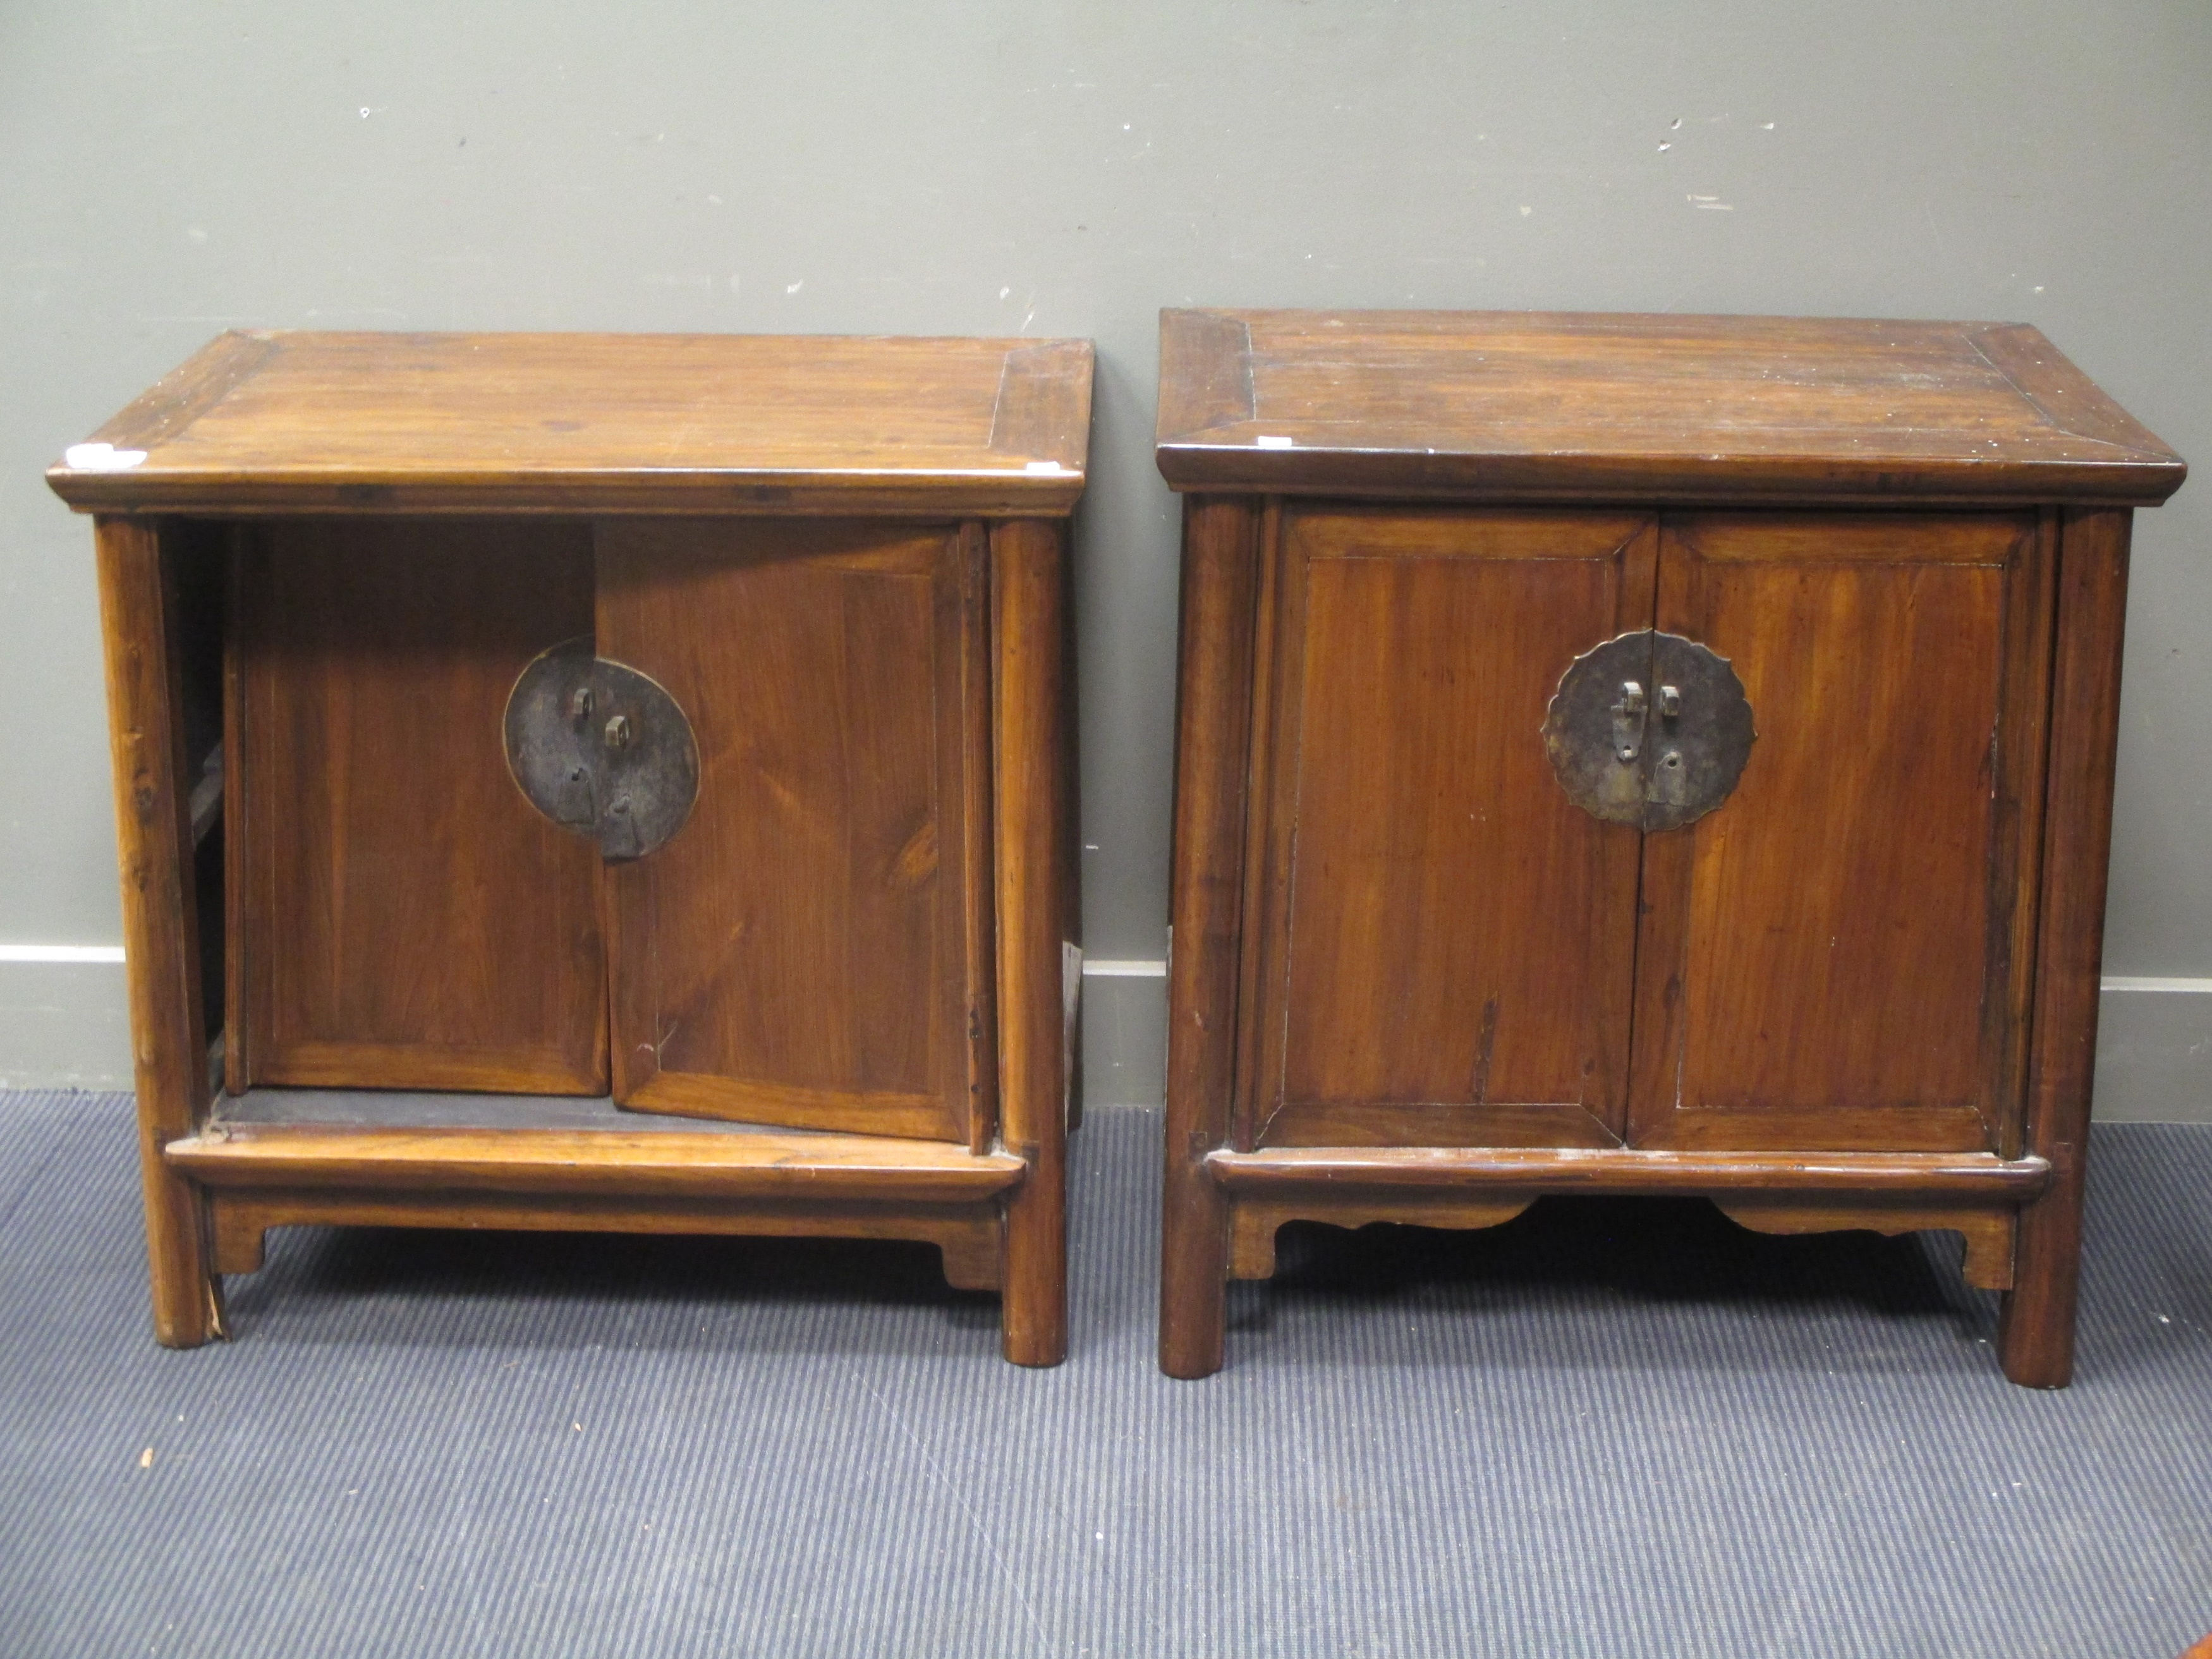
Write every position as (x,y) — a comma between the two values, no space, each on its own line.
(400,916)
(809,949)
(1444,941)
(1839,957)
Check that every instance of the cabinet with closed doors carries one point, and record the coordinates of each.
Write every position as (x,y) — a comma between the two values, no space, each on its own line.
(599,782)
(1640,754)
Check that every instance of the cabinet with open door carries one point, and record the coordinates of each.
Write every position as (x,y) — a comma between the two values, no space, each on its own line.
(591,782)
(1639,755)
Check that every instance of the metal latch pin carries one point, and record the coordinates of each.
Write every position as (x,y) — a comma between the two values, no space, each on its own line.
(1628,720)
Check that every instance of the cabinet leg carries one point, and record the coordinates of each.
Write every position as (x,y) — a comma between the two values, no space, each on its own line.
(2035,1333)
(1033,1307)
(2035,1328)
(187,1290)
(1221,606)
(1193,1271)
(1030,846)
(161,921)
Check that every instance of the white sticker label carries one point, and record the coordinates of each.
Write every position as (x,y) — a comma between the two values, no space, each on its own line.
(1044,466)
(1265,442)
(100,457)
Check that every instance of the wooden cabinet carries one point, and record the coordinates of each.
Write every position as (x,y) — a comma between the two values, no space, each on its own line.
(643,796)
(1639,755)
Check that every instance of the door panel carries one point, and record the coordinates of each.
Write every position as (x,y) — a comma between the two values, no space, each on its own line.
(403,918)
(1838,957)
(1445,942)
(798,952)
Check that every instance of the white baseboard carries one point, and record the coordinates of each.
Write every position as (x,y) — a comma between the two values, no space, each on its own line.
(112,953)
(2154,1051)
(1125,1032)
(65,1022)
(2154,1044)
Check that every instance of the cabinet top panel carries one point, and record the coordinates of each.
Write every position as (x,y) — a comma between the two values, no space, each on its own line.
(305,422)
(1560,406)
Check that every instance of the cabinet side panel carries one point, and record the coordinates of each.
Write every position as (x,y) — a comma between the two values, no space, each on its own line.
(1823,950)
(794,953)
(1446,979)
(412,921)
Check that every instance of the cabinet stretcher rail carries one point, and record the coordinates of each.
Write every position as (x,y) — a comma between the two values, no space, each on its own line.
(1910,1178)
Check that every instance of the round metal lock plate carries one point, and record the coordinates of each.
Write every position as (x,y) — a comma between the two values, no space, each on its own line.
(1650,729)
(602,750)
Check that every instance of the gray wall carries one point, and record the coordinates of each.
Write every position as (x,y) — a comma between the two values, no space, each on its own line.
(170,169)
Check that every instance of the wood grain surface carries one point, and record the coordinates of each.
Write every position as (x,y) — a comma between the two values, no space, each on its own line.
(798,952)
(1552,406)
(1827,960)
(400,915)
(366,423)
(1213,719)
(2035,1331)
(531,1160)
(1912,1176)
(1447,947)
(1032,800)
(160,917)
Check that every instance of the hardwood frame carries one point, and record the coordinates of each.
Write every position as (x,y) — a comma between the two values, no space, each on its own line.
(1032,838)
(1213,742)
(2035,1336)
(160,915)
(999,462)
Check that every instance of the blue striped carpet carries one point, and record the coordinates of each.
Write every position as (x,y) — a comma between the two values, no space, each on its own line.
(1609,1429)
